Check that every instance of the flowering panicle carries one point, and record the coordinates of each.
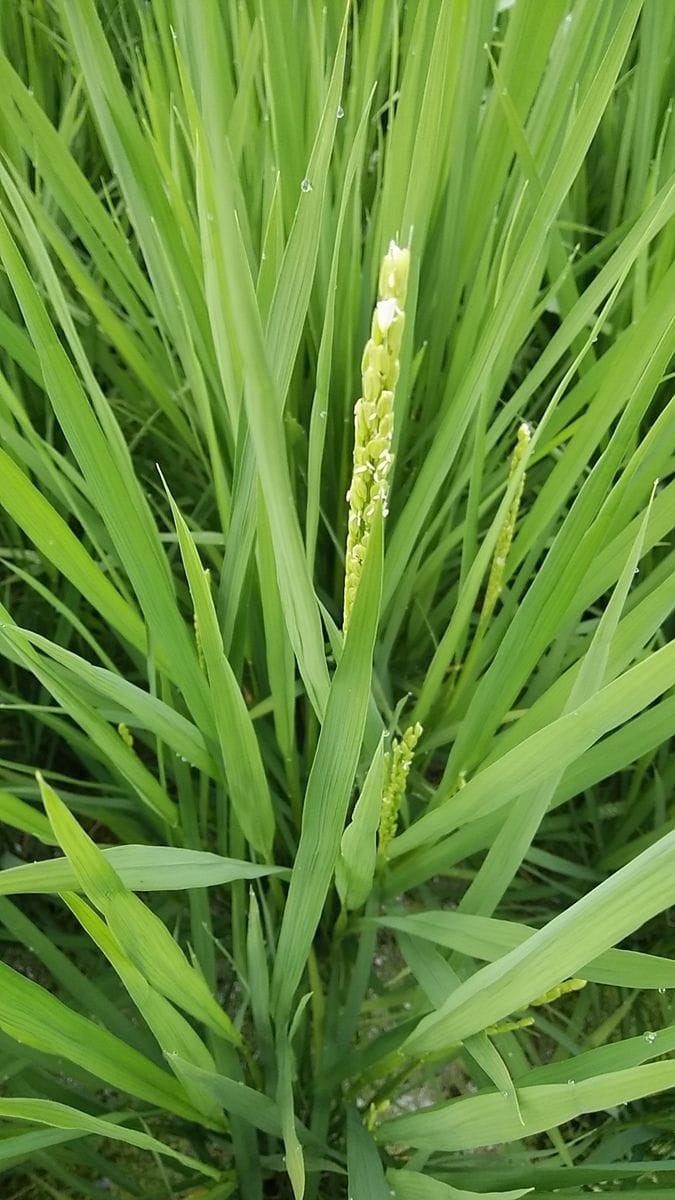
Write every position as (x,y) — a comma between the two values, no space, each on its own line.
(374,417)
(396,768)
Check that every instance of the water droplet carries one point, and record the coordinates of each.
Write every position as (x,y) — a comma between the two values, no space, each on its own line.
(505,1095)
(662,991)
(340,112)
(650,1036)
(305,186)
(571,1082)
(322,414)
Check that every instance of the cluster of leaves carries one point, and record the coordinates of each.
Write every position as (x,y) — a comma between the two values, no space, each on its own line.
(194,203)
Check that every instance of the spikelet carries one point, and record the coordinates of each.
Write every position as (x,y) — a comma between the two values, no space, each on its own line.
(374,417)
(397,766)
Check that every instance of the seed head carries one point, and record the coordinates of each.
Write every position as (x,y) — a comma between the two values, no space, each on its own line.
(397,765)
(374,417)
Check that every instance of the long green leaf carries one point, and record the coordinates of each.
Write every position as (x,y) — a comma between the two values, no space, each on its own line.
(140,868)
(486,1120)
(330,784)
(60,1116)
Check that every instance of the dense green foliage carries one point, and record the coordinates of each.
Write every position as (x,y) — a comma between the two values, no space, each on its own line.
(215,982)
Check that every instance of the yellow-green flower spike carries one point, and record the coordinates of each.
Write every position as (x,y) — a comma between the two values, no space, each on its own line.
(496,578)
(374,417)
(396,767)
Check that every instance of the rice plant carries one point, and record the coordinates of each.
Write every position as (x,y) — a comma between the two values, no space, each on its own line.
(337,488)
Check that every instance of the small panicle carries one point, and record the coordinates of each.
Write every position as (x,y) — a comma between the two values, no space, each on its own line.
(496,578)
(198,633)
(509,1026)
(521,1022)
(374,417)
(397,765)
(561,989)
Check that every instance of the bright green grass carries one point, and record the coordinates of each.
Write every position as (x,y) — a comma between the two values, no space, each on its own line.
(195,198)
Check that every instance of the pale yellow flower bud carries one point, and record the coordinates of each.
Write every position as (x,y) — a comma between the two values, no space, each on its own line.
(385,314)
(394,273)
